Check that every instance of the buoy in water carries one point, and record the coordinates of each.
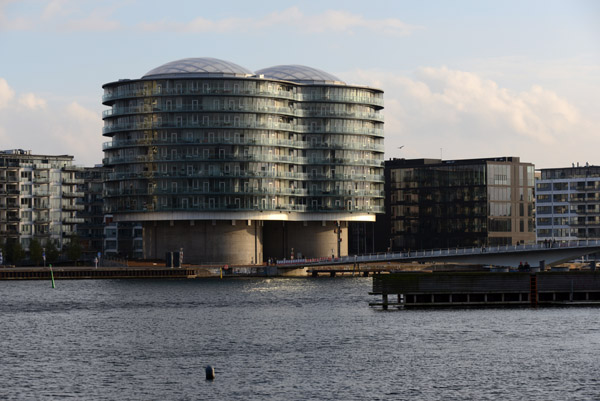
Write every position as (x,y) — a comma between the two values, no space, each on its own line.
(210,373)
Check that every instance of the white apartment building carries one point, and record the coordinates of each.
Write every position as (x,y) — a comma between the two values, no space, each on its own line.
(38,198)
(568,203)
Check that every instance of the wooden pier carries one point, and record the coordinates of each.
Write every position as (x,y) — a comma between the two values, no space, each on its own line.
(484,289)
(41,273)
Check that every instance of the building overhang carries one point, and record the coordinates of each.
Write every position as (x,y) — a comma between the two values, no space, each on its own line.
(245,215)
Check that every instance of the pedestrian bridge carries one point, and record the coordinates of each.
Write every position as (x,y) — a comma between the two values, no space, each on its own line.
(506,255)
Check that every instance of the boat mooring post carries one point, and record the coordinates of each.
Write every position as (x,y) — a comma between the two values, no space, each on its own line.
(210,373)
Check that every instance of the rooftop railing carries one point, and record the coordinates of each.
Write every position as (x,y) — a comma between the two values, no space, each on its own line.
(174,92)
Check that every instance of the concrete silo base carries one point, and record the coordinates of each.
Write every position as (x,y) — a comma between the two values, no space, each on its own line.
(205,241)
(310,239)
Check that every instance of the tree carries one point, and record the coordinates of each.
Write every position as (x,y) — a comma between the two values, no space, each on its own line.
(52,253)
(73,249)
(36,252)
(14,252)
(3,249)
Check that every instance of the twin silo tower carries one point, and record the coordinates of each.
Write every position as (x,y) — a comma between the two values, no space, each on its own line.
(237,167)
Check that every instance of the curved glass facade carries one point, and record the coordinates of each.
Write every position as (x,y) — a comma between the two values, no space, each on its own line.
(203,138)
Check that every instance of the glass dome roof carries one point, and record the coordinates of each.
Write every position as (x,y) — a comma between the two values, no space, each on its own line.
(199,66)
(299,73)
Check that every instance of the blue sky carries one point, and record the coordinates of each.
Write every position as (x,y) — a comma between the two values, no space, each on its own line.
(462,79)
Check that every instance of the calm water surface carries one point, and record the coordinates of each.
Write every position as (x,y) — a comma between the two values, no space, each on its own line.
(281,339)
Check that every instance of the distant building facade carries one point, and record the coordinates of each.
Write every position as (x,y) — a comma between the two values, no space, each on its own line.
(38,198)
(568,203)
(239,167)
(432,203)
(91,230)
(98,233)
(123,240)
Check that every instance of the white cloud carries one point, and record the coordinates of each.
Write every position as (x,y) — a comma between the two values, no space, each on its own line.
(49,127)
(6,93)
(61,15)
(97,21)
(328,21)
(55,8)
(75,16)
(32,101)
(81,114)
(469,116)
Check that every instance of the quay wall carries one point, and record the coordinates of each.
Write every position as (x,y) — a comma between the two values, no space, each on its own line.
(488,288)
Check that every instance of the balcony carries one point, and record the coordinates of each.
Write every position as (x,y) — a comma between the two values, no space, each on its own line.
(72,167)
(73,181)
(73,207)
(73,220)
(72,194)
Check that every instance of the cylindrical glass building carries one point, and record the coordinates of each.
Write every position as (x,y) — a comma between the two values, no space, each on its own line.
(237,167)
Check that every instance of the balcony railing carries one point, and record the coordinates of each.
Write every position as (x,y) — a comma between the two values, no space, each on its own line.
(141,126)
(73,167)
(245,142)
(73,207)
(73,181)
(72,220)
(287,111)
(72,194)
(247,174)
(260,158)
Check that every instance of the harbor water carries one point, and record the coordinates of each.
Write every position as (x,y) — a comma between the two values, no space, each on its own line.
(281,339)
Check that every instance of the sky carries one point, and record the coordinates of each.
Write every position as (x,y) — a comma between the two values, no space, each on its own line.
(462,79)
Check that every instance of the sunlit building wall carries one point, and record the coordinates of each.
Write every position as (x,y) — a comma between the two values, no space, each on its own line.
(459,203)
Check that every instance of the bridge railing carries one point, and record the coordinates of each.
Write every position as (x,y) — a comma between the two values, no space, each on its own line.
(426,253)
